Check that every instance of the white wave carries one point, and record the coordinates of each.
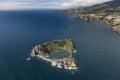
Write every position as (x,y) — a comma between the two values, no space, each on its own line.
(41,57)
(28,59)
(74,68)
(59,66)
(70,68)
(54,63)
(74,51)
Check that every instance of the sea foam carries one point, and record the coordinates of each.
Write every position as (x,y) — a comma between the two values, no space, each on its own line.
(54,63)
(28,59)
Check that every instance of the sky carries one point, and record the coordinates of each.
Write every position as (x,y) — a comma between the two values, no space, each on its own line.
(53,4)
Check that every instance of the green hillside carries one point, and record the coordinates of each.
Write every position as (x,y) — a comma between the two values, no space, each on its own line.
(107,12)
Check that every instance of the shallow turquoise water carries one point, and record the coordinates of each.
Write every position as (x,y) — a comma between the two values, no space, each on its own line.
(59,54)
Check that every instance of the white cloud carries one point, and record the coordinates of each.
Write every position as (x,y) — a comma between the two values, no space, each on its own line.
(75,3)
(30,4)
(13,5)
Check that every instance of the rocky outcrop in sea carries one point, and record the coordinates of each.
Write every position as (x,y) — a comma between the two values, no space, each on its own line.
(45,50)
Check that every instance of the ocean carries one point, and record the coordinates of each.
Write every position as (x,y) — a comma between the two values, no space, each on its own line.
(98,47)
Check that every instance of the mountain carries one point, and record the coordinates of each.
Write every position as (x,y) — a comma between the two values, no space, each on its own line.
(105,7)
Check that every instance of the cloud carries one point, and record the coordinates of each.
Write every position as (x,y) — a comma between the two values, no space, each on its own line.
(57,4)
(82,3)
(13,5)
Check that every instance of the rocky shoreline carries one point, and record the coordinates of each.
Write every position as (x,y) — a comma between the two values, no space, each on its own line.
(44,50)
(112,21)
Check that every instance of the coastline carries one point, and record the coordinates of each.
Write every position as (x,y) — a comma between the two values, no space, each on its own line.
(101,20)
(58,52)
(113,22)
(55,63)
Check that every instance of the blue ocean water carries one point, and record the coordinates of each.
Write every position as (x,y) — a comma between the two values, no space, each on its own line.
(98,47)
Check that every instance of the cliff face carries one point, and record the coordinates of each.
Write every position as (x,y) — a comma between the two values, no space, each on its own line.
(45,50)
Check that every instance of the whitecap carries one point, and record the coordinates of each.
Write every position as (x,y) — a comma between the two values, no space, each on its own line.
(54,63)
(28,59)
(59,66)
(74,51)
